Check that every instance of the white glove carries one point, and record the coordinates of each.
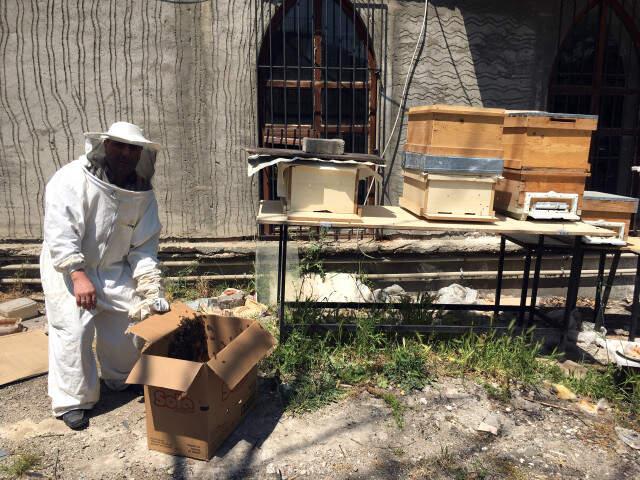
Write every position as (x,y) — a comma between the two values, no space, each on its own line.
(160,305)
(144,308)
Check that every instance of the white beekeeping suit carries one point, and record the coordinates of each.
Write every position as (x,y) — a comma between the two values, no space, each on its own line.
(112,233)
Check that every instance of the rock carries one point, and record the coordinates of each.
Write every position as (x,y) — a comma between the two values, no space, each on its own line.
(629,437)
(523,404)
(200,304)
(394,290)
(230,301)
(621,332)
(492,424)
(333,146)
(603,405)
(271,469)
(587,338)
(378,295)
(334,287)
(562,392)
(588,326)
(422,401)
(457,294)
(22,308)
(4,453)
(121,455)
(573,369)
(588,407)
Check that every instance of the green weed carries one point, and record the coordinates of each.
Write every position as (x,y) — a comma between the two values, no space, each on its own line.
(21,465)
(311,258)
(406,366)
(313,368)
(396,406)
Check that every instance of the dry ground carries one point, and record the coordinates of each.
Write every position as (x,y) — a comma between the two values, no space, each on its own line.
(356,438)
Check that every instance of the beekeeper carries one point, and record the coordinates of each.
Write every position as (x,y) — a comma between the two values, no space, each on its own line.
(99,265)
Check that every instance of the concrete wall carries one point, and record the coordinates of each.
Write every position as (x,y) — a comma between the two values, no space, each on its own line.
(490,53)
(182,71)
(186,73)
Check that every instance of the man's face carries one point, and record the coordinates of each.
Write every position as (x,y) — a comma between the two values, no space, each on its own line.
(122,157)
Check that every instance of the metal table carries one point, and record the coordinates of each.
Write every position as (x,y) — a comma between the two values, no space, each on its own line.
(396,218)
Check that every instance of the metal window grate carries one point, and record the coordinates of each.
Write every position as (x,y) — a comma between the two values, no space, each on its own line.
(597,71)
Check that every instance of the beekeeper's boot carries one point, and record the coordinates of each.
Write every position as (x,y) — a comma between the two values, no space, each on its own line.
(76,419)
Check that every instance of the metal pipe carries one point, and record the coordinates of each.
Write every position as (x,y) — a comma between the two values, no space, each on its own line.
(396,277)
(330,261)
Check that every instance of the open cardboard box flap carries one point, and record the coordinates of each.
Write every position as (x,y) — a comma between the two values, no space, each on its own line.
(237,359)
(164,372)
(157,326)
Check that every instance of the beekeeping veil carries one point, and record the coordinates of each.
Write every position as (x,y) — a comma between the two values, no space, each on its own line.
(126,133)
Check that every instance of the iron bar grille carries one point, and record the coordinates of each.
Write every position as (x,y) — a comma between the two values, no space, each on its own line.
(597,71)
(320,74)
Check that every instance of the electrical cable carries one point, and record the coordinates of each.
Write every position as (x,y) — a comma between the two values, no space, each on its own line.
(405,89)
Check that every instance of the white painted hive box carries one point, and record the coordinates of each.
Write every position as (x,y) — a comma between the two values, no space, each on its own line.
(449,197)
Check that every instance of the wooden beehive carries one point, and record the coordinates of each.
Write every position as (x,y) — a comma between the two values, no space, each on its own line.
(455,131)
(547,140)
(512,189)
(609,208)
(449,197)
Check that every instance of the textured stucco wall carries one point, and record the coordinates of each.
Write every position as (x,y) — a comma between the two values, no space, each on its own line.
(186,73)
(491,53)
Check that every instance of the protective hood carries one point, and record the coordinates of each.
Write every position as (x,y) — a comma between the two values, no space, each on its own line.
(95,153)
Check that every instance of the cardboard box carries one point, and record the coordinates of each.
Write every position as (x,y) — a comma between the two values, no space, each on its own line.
(449,197)
(454,130)
(321,187)
(191,407)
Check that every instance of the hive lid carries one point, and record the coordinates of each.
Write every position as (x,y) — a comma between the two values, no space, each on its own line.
(458,109)
(539,113)
(461,165)
(607,197)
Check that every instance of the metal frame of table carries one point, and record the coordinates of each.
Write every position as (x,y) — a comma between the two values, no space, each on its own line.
(603,287)
(522,309)
(395,218)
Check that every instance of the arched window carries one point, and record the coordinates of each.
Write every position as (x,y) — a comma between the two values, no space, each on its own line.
(597,72)
(317,77)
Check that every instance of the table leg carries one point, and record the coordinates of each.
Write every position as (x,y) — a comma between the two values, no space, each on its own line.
(280,236)
(536,279)
(635,308)
(525,287)
(282,276)
(610,279)
(573,287)
(597,317)
(496,302)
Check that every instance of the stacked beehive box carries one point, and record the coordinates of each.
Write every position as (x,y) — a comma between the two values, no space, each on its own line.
(609,211)
(453,157)
(546,159)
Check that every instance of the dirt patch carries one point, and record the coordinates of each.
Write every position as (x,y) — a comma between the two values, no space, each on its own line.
(356,438)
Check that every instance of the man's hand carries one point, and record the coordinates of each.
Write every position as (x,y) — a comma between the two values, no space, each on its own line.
(83,290)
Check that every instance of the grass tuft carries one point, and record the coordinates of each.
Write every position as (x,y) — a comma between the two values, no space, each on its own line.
(21,465)
(315,370)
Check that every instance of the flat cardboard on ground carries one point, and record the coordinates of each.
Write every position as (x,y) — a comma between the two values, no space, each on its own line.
(191,407)
(23,355)
(23,308)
